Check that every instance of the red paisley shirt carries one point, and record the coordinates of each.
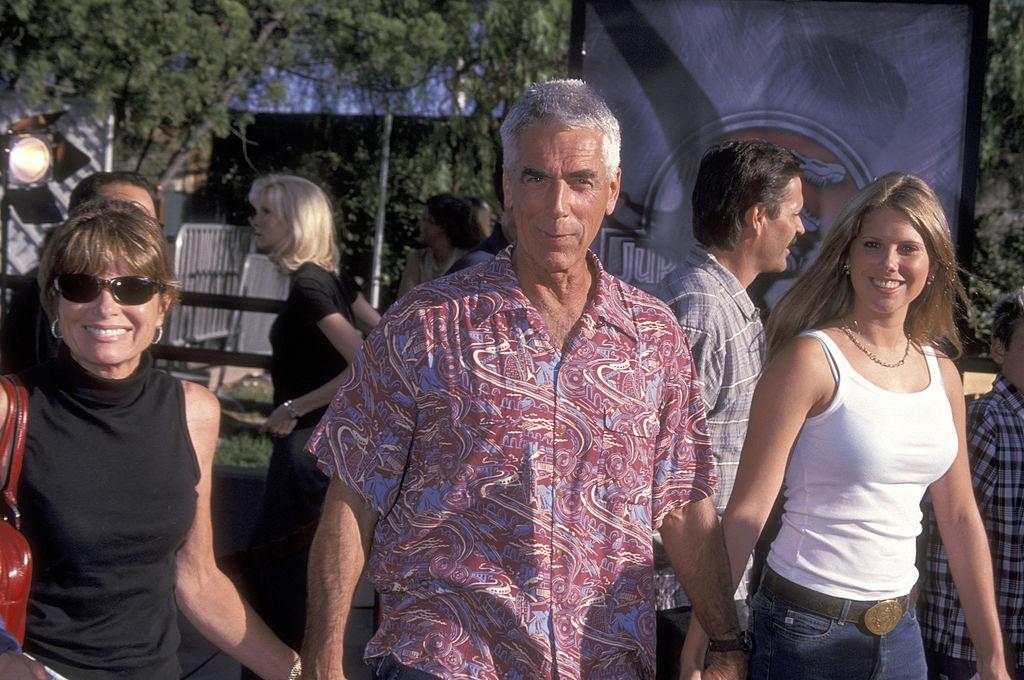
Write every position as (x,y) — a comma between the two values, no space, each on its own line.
(518,485)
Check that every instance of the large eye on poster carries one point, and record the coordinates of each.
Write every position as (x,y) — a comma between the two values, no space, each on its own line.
(854,89)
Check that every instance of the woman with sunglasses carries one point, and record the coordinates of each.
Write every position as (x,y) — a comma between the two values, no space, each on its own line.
(314,338)
(859,411)
(115,487)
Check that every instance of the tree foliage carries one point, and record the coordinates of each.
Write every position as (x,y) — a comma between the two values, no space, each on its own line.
(171,69)
(175,69)
(999,226)
(179,73)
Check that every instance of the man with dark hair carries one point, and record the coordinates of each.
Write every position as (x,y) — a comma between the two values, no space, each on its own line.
(25,338)
(995,444)
(507,441)
(747,202)
(121,185)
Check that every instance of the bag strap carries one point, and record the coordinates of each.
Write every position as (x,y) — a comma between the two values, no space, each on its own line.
(12,445)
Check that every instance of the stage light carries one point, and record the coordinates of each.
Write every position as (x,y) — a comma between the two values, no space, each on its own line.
(29,160)
(33,154)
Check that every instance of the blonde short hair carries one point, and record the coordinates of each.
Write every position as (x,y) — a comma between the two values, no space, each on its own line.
(101,235)
(306,209)
(930,317)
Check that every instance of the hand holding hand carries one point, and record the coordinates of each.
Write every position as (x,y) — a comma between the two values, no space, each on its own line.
(726,666)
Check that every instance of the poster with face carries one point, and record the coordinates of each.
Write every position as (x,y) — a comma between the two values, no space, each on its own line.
(855,89)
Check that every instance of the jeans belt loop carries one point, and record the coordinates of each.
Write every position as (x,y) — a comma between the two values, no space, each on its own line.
(845,615)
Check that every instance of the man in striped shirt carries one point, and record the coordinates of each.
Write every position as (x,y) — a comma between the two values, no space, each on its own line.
(747,202)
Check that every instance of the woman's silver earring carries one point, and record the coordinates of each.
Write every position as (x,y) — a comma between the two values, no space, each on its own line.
(846,268)
(159,334)
(931,279)
(55,328)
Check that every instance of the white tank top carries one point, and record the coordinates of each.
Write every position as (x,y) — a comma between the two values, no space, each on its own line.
(854,484)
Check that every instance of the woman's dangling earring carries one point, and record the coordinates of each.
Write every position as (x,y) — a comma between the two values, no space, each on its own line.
(55,328)
(159,334)
(846,268)
(931,279)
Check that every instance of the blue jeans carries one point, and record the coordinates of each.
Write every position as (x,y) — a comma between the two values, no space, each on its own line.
(388,668)
(791,643)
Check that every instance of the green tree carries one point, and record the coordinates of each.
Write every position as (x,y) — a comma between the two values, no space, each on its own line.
(171,69)
(999,237)
(179,73)
(467,59)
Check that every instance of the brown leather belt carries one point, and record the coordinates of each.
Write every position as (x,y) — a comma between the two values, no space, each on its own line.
(878,616)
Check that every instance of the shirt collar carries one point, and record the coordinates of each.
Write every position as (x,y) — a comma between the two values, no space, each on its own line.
(699,257)
(608,305)
(1008,392)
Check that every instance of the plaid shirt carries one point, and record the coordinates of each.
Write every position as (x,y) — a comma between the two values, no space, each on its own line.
(518,483)
(995,427)
(727,341)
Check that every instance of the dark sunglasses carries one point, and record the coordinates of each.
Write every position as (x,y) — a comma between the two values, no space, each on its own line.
(127,290)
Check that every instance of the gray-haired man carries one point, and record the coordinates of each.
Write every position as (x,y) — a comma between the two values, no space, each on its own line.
(508,439)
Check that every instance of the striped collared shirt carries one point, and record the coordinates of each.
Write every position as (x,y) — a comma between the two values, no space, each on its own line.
(727,343)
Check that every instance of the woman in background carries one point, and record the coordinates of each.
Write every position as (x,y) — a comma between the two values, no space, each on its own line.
(448,229)
(873,416)
(314,338)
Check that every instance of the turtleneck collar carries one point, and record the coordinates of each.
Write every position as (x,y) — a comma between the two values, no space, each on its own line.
(96,389)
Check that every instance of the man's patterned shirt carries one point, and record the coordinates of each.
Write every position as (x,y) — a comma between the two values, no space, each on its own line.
(517,484)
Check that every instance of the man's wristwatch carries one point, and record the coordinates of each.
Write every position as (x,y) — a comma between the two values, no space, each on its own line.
(740,643)
(289,406)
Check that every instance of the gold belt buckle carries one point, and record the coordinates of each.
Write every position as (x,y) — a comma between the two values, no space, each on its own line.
(881,618)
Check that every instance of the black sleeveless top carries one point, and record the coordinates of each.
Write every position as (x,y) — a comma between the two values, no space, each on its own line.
(107,497)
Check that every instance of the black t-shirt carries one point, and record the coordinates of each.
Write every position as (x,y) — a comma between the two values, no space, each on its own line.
(304,359)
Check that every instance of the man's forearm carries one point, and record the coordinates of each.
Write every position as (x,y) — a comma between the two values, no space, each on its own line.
(336,560)
(696,549)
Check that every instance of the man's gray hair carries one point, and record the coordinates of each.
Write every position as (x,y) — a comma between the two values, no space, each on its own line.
(569,103)
(1007,312)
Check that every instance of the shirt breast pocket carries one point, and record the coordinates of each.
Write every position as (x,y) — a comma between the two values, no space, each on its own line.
(628,439)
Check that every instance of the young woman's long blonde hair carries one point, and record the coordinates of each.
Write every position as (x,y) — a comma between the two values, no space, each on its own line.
(823,291)
(305,208)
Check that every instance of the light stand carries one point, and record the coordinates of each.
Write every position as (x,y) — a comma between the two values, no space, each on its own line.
(33,154)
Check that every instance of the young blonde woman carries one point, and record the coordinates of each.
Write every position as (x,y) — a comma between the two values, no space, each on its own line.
(857,414)
(314,338)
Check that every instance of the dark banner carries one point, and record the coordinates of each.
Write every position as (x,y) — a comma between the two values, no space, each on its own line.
(855,89)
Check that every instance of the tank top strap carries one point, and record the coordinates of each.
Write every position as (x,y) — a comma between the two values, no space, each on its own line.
(934,373)
(833,355)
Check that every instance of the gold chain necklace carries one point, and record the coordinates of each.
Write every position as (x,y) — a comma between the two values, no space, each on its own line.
(853,338)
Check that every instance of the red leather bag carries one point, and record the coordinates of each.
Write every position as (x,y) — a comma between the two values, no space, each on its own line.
(15,556)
